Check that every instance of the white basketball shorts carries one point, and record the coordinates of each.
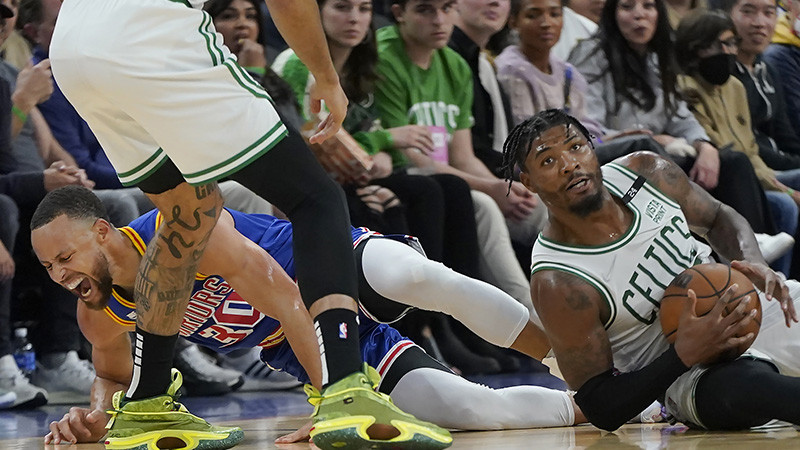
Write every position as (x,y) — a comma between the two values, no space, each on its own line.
(154,81)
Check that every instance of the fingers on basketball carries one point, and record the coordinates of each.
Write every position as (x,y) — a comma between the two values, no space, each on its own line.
(711,284)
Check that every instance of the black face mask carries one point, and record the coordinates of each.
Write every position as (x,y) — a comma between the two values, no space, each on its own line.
(717,69)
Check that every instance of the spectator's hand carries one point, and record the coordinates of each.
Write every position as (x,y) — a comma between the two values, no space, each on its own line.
(6,264)
(516,204)
(34,85)
(381,166)
(80,174)
(772,284)
(301,435)
(250,54)
(336,102)
(791,192)
(60,175)
(415,136)
(701,340)
(78,425)
(705,171)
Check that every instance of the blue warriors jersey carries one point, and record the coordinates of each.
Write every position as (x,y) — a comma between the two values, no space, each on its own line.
(218,318)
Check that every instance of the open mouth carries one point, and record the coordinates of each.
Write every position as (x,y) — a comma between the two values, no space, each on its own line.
(578,184)
(82,287)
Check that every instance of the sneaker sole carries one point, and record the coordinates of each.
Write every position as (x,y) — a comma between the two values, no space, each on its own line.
(350,433)
(192,440)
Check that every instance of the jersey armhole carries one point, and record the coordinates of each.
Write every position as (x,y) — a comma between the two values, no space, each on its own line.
(600,287)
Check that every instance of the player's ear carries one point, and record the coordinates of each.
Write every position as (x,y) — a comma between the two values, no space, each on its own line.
(102,228)
(525,179)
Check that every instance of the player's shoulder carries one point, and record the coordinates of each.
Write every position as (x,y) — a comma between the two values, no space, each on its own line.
(656,169)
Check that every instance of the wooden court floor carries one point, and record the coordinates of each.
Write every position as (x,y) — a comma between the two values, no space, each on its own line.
(24,430)
(260,434)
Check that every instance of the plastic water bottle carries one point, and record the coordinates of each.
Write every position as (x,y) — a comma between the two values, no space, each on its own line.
(23,352)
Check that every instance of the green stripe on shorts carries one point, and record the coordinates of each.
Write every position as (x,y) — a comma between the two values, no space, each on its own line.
(241,159)
(143,170)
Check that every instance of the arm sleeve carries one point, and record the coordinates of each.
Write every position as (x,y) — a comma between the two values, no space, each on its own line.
(390,97)
(26,188)
(72,132)
(788,67)
(609,400)
(785,135)
(374,141)
(520,96)
(685,124)
(590,61)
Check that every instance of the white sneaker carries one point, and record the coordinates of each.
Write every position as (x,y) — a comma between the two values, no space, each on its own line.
(773,247)
(257,375)
(73,375)
(12,379)
(202,376)
(651,414)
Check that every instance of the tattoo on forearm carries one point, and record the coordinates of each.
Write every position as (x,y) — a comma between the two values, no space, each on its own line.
(170,241)
(205,190)
(176,219)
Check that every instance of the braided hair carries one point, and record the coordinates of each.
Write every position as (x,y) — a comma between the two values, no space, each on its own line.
(517,145)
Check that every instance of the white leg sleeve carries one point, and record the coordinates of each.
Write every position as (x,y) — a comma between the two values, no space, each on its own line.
(453,402)
(397,272)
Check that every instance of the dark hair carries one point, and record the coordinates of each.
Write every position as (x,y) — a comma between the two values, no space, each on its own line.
(359,72)
(629,69)
(697,31)
(76,202)
(518,143)
(29,11)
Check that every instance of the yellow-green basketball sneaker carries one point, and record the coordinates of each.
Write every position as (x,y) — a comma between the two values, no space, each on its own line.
(161,422)
(346,409)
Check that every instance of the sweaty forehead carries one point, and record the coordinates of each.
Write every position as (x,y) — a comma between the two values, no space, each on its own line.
(554,135)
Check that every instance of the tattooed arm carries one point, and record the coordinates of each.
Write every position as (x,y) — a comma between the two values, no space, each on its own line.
(574,313)
(726,231)
(263,283)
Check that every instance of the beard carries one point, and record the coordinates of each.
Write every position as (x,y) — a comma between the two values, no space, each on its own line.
(104,284)
(591,203)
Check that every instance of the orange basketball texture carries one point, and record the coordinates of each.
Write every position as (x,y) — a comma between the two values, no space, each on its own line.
(709,282)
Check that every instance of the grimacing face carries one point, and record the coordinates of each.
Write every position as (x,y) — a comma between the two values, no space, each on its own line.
(70,252)
(563,169)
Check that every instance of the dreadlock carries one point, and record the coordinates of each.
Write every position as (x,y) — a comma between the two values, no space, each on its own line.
(517,145)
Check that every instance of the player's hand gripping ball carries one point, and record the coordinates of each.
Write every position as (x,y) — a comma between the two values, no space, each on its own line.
(709,282)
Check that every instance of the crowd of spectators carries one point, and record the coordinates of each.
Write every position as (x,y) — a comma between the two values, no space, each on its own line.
(434,88)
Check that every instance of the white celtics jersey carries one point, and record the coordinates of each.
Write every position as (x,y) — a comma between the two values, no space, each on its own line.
(632,272)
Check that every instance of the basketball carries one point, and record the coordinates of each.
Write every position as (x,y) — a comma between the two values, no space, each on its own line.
(709,282)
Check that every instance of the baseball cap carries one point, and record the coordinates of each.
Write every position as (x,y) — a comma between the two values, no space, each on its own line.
(5,11)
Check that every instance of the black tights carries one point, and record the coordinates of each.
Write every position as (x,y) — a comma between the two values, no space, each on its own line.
(289,177)
(746,393)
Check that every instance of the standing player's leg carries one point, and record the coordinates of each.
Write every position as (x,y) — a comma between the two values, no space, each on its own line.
(289,177)
(393,273)
(166,274)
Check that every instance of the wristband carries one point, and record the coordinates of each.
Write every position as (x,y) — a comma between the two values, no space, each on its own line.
(18,112)
(789,191)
